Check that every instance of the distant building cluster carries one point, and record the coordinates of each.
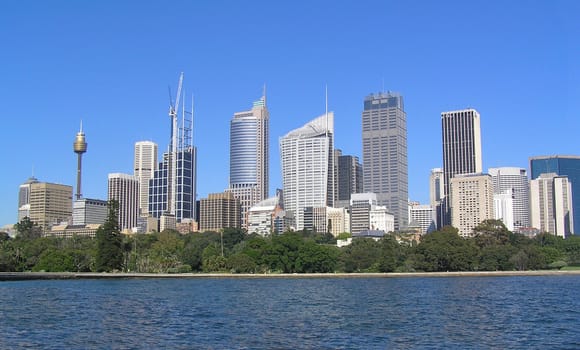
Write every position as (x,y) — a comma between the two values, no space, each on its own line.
(323,190)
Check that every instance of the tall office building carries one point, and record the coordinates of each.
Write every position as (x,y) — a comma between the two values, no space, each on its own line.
(173,190)
(384,141)
(185,186)
(50,204)
(144,164)
(348,178)
(219,211)
(563,166)
(307,157)
(24,198)
(436,195)
(514,181)
(249,156)
(124,189)
(551,204)
(461,136)
(471,199)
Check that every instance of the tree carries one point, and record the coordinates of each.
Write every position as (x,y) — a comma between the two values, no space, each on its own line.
(491,232)
(27,229)
(445,250)
(109,242)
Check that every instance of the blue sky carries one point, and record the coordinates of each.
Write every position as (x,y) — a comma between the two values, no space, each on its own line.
(110,63)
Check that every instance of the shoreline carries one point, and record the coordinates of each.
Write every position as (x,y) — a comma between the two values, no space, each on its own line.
(24,276)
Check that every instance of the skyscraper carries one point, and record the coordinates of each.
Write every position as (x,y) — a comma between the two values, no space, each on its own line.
(348,177)
(50,204)
(172,190)
(144,164)
(514,181)
(249,156)
(436,195)
(563,166)
(24,198)
(185,189)
(307,157)
(384,141)
(124,189)
(461,136)
(471,200)
(551,204)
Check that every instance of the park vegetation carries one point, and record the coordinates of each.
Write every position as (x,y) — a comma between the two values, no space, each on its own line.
(493,248)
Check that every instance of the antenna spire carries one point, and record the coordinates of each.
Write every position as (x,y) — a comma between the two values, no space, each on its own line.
(264,94)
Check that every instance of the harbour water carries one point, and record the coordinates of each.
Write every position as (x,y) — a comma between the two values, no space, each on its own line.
(515,312)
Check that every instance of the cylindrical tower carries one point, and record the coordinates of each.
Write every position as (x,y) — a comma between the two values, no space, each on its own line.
(80,147)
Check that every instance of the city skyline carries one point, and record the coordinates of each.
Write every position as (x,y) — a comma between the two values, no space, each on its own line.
(62,65)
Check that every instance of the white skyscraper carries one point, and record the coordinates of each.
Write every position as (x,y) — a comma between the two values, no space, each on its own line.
(145,164)
(515,182)
(249,156)
(551,204)
(308,167)
(124,189)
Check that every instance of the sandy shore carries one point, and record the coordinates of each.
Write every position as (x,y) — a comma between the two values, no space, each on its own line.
(19,276)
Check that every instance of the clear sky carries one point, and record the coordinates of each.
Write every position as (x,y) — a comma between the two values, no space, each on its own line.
(109,64)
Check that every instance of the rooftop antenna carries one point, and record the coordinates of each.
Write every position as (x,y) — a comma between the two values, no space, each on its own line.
(264,94)
(383,86)
(326,106)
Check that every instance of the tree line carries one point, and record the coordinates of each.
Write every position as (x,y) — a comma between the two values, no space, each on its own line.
(493,248)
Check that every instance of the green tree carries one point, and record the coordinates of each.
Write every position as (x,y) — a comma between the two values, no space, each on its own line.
(27,229)
(109,242)
(491,232)
(362,255)
(241,263)
(445,250)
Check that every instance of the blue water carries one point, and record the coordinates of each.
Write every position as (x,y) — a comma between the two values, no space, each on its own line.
(374,313)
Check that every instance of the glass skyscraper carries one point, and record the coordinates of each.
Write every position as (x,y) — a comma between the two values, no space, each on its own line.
(249,156)
(561,165)
(185,186)
(384,141)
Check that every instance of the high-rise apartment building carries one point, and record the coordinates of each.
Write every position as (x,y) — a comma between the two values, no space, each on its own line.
(145,164)
(384,143)
(348,177)
(24,198)
(515,182)
(461,138)
(124,189)
(551,204)
(307,157)
(219,211)
(50,204)
(249,156)
(561,165)
(471,199)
